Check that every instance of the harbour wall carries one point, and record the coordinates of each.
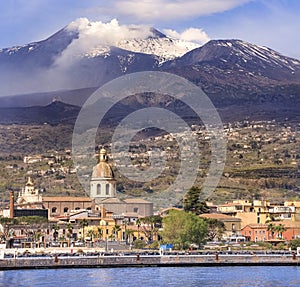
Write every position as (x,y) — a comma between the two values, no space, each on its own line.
(148,261)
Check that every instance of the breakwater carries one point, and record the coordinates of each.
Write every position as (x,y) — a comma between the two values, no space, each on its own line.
(148,261)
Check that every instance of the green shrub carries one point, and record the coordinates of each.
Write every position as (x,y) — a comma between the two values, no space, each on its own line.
(139,244)
(293,244)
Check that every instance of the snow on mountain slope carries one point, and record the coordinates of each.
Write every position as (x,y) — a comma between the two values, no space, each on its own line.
(96,38)
(164,48)
(230,56)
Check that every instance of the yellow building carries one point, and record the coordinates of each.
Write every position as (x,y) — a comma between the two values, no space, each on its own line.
(296,205)
(232,224)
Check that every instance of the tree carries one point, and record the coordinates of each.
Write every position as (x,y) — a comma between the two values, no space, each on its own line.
(91,234)
(215,229)
(192,202)
(124,237)
(294,243)
(128,234)
(280,228)
(183,229)
(83,223)
(150,226)
(55,229)
(69,227)
(138,224)
(6,229)
(99,233)
(271,227)
(33,226)
(116,230)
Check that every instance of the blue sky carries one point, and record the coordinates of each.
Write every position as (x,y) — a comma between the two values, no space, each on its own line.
(273,23)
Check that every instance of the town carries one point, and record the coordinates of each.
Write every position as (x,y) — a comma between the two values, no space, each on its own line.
(105,219)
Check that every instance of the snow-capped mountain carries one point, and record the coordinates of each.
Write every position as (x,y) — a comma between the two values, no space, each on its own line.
(242,55)
(87,54)
(137,39)
(233,70)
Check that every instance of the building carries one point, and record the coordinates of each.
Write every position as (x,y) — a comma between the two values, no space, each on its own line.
(29,196)
(62,205)
(255,232)
(102,196)
(129,207)
(103,184)
(260,232)
(103,191)
(237,206)
(232,224)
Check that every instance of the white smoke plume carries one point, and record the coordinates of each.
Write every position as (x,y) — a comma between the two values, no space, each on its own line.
(98,36)
(191,35)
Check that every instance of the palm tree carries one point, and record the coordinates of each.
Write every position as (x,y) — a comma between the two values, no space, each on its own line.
(128,234)
(91,234)
(69,227)
(99,232)
(55,228)
(116,230)
(151,226)
(138,223)
(271,227)
(280,228)
(125,222)
(83,223)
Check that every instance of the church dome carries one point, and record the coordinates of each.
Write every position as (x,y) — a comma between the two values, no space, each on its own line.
(102,169)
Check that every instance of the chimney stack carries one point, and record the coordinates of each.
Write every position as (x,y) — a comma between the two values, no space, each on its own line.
(11,204)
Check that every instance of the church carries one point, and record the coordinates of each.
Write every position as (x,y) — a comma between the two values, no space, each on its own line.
(103,196)
(103,191)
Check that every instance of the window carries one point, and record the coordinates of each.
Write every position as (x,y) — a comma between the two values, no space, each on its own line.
(77,208)
(66,209)
(54,209)
(98,189)
(233,227)
(107,189)
(136,209)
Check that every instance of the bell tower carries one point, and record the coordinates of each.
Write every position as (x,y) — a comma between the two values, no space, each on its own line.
(103,184)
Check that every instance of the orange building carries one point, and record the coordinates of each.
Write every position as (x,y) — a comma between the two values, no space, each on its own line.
(259,232)
(255,232)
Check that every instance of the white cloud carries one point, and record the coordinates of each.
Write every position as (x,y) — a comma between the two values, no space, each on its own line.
(165,10)
(98,35)
(191,35)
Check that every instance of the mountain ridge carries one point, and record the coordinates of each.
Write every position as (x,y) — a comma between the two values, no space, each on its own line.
(229,71)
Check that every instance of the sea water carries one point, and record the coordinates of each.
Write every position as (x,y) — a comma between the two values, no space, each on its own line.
(265,276)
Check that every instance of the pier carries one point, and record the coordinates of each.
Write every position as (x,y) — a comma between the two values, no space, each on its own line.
(103,260)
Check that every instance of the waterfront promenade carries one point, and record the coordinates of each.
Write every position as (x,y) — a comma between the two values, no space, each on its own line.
(98,259)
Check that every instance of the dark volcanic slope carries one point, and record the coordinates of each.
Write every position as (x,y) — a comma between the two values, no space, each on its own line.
(233,71)
(54,113)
